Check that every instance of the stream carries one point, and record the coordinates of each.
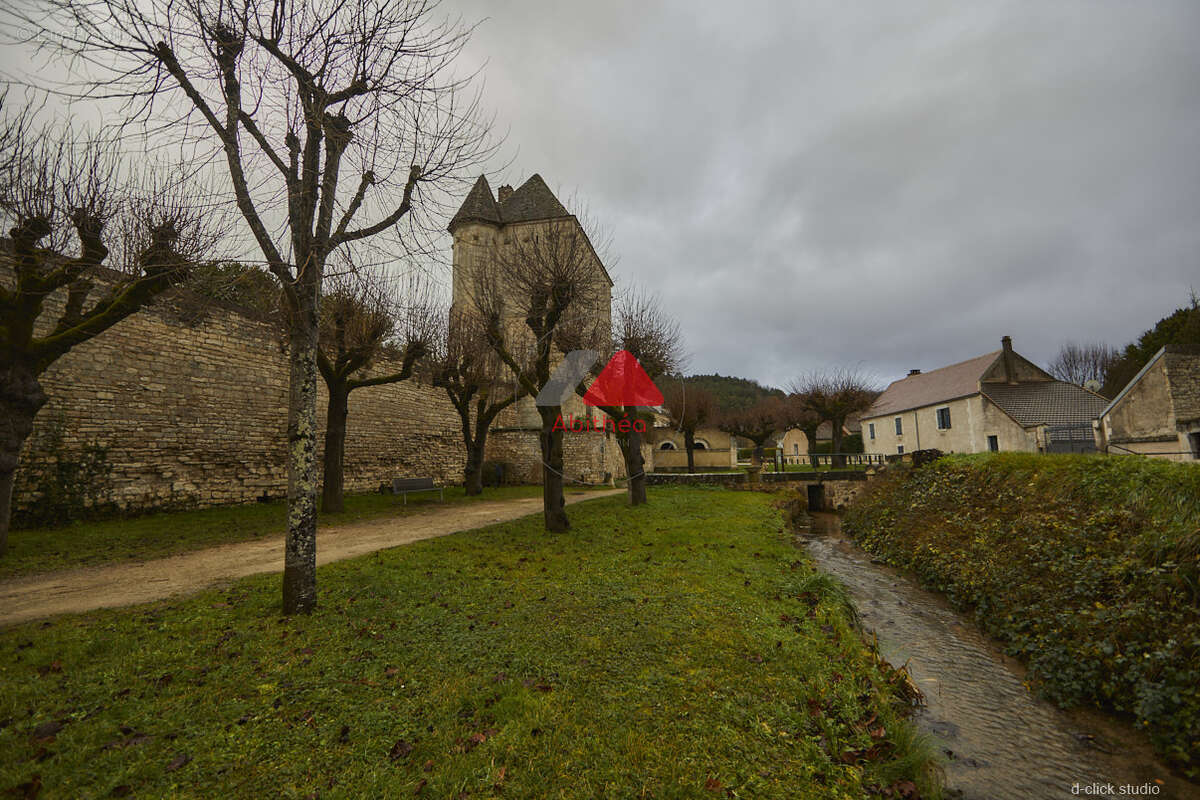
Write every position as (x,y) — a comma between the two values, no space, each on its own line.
(998,740)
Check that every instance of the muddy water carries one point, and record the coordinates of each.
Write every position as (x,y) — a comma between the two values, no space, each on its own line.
(998,740)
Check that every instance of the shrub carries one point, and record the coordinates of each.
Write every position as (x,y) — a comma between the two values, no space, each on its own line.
(1087,567)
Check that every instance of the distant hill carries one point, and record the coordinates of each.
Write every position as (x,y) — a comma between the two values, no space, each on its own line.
(732,393)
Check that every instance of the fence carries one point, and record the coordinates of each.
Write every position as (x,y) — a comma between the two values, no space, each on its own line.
(816,461)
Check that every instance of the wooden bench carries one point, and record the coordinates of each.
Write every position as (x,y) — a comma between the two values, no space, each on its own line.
(403,486)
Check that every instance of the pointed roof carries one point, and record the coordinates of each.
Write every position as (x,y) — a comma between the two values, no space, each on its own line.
(480,206)
(532,201)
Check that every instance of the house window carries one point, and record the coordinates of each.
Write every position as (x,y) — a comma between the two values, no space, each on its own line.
(1194,439)
(943,419)
(994,444)
(700,444)
(900,449)
(667,446)
(899,427)
(795,448)
(871,430)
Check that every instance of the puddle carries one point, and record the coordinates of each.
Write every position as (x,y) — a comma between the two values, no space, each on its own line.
(999,741)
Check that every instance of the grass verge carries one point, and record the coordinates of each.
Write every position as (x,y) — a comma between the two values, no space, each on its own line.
(680,649)
(1088,567)
(91,543)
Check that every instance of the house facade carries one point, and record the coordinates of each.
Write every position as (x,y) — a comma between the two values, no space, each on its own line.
(713,448)
(1158,413)
(996,401)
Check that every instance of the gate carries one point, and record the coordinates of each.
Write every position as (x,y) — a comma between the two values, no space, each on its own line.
(1078,438)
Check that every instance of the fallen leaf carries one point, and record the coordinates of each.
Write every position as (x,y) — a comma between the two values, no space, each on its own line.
(713,785)
(400,749)
(45,731)
(421,784)
(344,736)
(178,762)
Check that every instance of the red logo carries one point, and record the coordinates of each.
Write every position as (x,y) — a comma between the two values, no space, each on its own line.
(623,382)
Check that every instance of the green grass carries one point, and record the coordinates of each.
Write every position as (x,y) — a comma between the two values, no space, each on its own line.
(681,649)
(1087,567)
(91,543)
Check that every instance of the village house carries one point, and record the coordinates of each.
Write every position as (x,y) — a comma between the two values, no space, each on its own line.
(997,401)
(1158,413)
(713,448)
(794,443)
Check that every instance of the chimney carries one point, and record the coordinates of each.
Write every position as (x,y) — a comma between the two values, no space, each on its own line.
(505,193)
(912,372)
(1010,363)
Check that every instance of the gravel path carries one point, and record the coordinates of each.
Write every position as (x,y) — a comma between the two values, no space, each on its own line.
(73,591)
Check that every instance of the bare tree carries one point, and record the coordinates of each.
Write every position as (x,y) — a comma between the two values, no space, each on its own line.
(333,121)
(690,408)
(538,297)
(363,317)
(758,423)
(87,250)
(833,396)
(478,384)
(1080,363)
(643,328)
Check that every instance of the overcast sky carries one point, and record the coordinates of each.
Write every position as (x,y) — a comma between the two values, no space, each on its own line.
(878,185)
(885,185)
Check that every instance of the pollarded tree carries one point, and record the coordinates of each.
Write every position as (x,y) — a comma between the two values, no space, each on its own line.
(833,396)
(690,408)
(332,123)
(478,384)
(642,327)
(363,317)
(758,423)
(82,236)
(538,297)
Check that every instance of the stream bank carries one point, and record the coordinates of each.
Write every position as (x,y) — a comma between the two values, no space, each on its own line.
(999,740)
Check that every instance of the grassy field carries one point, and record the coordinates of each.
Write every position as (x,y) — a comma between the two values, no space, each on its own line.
(83,544)
(683,649)
(1088,567)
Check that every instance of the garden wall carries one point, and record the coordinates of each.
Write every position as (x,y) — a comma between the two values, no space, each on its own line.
(187,402)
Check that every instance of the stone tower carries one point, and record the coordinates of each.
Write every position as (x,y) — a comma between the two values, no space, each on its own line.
(482,224)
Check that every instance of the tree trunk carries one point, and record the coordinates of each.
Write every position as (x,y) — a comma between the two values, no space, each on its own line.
(810,435)
(635,467)
(334,480)
(473,472)
(689,444)
(838,460)
(553,501)
(300,554)
(756,455)
(21,397)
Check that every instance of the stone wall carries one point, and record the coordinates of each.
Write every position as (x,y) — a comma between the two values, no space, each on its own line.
(192,410)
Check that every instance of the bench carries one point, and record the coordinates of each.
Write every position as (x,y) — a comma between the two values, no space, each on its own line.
(402,487)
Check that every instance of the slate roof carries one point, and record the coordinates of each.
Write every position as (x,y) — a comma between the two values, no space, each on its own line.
(935,386)
(532,201)
(1046,402)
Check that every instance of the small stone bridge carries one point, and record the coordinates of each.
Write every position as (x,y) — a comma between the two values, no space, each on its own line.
(826,491)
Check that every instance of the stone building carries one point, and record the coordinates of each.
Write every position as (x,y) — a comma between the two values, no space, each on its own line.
(487,228)
(713,448)
(1158,413)
(997,401)
(187,399)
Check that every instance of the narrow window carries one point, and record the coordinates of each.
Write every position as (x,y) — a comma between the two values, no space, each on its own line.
(900,449)
(795,448)
(994,444)
(871,430)
(899,427)
(943,419)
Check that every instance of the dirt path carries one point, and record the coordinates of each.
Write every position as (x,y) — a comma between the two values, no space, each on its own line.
(74,591)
